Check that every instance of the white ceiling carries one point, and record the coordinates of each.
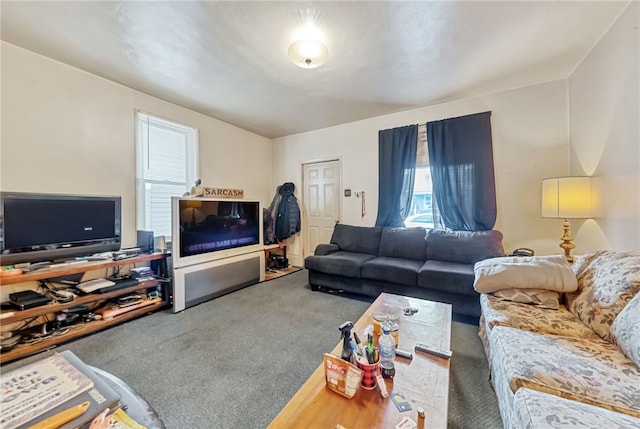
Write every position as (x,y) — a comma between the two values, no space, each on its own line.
(228,59)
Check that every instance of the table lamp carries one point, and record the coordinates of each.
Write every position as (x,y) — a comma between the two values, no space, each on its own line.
(566,198)
(193,204)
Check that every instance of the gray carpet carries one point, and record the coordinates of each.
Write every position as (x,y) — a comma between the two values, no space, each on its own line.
(235,361)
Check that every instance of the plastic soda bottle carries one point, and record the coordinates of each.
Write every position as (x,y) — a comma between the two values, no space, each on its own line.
(387,347)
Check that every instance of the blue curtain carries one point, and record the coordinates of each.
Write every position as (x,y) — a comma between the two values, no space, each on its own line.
(461,162)
(396,167)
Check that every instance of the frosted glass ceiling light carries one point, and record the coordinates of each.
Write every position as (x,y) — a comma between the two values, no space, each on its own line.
(308,54)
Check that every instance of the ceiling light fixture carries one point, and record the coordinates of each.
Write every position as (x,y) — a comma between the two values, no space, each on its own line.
(308,54)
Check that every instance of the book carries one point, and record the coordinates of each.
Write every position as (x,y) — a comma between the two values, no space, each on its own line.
(100,396)
(35,388)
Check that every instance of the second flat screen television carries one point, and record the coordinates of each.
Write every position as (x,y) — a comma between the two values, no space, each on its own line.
(207,226)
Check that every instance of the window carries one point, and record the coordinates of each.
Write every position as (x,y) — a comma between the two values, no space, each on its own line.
(166,166)
(422,210)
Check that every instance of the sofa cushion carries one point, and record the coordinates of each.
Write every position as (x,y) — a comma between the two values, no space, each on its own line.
(346,264)
(392,270)
(592,371)
(541,297)
(447,277)
(538,410)
(625,330)
(530,272)
(463,247)
(407,243)
(358,239)
(607,280)
(560,321)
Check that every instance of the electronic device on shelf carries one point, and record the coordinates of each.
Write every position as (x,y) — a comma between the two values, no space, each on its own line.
(122,256)
(121,283)
(49,227)
(95,284)
(126,301)
(142,274)
(145,241)
(28,299)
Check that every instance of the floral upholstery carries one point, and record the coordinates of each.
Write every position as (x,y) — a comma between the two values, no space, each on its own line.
(542,297)
(482,333)
(537,410)
(625,331)
(607,281)
(576,366)
(591,371)
(497,312)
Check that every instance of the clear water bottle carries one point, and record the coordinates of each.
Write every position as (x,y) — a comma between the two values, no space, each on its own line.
(387,347)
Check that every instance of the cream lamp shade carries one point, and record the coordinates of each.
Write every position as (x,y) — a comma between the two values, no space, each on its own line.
(566,198)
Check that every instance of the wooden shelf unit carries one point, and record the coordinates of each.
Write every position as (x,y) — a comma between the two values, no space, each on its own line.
(81,329)
(46,273)
(279,249)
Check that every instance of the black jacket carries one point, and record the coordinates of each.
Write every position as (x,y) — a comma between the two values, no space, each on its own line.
(288,219)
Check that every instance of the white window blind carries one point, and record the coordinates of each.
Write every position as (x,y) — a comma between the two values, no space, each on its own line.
(166,166)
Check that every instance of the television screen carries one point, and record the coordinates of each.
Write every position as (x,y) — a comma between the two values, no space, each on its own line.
(212,225)
(38,227)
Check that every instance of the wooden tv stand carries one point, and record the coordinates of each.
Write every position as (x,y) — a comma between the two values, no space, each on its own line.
(81,329)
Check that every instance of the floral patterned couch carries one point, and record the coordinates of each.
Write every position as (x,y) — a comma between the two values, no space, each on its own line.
(570,359)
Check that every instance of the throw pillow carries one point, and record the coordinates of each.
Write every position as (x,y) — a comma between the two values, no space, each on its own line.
(358,239)
(540,297)
(463,247)
(529,272)
(607,280)
(625,330)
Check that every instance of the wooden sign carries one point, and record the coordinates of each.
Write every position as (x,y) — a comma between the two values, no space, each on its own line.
(205,192)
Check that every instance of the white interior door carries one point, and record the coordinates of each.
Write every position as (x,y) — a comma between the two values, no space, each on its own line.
(321,201)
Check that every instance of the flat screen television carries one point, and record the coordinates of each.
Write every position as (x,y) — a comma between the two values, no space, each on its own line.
(51,227)
(206,229)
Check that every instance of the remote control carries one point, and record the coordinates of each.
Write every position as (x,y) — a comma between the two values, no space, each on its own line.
(433,350)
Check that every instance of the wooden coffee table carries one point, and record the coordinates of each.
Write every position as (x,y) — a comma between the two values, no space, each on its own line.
(423,381)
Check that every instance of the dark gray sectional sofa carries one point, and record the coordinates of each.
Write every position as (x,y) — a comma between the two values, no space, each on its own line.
(429,264)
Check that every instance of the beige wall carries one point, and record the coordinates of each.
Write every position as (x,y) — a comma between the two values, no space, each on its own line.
(64,130)
(68,131)
(605,135)
(530,142)
(531,128)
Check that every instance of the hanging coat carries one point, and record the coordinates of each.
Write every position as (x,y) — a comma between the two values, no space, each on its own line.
(288,219)
(269,222)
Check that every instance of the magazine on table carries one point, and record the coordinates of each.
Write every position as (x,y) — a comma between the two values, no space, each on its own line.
(99,397)
(33,389)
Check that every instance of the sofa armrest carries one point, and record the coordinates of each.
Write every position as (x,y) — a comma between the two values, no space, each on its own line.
(326,249)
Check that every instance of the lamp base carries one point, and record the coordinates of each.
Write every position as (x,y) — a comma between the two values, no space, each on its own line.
(566,242)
